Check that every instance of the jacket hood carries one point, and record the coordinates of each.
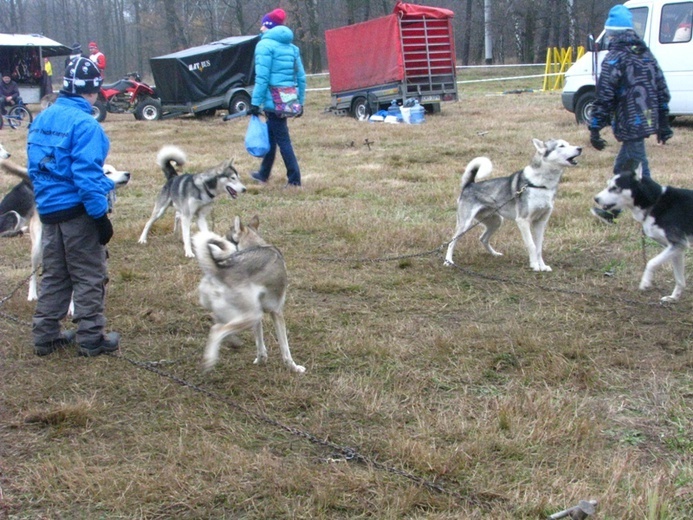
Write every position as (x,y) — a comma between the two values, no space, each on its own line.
(629,41)
(280,33)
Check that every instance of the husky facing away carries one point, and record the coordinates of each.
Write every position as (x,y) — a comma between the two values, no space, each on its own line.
(525,196)
(244,278)
(190,194)
(666,216)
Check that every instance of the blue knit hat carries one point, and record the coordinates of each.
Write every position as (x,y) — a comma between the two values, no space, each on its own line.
(620,19)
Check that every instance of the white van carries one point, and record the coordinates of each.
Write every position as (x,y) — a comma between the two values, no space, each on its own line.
(665,26)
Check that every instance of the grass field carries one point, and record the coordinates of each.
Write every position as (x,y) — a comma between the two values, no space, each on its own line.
(483,390)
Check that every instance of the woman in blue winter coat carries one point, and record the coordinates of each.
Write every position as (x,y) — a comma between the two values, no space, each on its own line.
(277,64)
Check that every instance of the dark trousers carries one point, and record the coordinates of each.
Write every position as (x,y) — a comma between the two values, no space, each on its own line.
(74,267)
(278,129)
(632,151)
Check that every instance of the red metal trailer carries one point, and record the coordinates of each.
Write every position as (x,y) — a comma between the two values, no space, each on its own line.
(407,54)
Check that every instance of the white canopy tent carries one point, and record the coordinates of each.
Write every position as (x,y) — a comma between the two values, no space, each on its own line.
(22,56)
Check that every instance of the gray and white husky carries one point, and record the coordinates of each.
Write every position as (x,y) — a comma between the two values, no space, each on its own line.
(244,278)
(525,196)
(190,194)
(666,216)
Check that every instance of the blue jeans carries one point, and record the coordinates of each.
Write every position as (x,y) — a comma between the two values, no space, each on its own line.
(279,136)
(632,151)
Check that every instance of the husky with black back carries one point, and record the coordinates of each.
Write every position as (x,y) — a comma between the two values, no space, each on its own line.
(666,216)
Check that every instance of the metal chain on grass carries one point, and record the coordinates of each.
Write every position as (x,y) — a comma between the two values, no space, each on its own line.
(346,453)
(14,291)
(496,209)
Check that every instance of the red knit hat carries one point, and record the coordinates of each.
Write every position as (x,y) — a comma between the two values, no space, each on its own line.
(274,18)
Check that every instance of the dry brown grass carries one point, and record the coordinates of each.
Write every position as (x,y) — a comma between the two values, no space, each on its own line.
(526,392)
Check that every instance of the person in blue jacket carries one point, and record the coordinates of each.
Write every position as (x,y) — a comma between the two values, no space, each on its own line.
(66,149)
(277,64)
(632,96)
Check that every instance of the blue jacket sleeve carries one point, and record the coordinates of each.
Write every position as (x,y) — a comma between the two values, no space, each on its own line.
(90,147)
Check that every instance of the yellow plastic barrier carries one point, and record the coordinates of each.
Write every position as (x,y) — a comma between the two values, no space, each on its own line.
(558,61)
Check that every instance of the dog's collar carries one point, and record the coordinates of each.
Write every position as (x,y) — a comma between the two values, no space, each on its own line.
(211,195)
(530,185)
(526,183)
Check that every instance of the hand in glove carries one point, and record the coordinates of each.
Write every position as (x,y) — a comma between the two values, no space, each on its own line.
(104,228)
(254,110)
(300,113)
(597,142)
(664,134)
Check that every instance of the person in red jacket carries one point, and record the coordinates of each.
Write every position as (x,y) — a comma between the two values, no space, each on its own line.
(97,57)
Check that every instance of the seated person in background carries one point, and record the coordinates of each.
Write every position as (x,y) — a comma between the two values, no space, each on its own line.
(9,92)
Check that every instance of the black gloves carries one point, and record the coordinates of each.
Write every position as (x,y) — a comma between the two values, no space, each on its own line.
(597,142)
(300,113)
(664,134)
(104,228)
(254,110)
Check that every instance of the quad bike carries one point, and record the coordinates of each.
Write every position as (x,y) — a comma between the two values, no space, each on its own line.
(128,95)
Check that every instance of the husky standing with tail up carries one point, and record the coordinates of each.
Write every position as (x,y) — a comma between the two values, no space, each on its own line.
(190,194)
(525,196)
(244,278)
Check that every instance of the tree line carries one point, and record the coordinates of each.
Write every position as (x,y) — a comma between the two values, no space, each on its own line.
(130,32)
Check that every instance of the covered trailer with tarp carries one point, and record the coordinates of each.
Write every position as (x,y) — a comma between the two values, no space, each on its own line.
(21,55)
(407,54)
(202,79)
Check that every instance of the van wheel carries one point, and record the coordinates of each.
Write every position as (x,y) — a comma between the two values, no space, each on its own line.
(583,107)
(360,109)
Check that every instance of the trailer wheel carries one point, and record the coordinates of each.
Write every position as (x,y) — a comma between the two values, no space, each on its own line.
(149,109)
(239,102)
(583,107)
(98,110)
(360,109)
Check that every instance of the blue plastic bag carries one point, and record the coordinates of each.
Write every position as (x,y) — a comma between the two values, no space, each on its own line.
(257,137)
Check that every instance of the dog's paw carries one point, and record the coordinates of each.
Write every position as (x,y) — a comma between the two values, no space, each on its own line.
(190,254)
(142,240)
(207,365)
(645,285)
(260,360)
(540,268)
(449,263)
(669,299)
(298,369)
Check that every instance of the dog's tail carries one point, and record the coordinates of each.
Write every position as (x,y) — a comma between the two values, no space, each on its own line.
(167,156)
(212,251)
(479,167)
(14,169)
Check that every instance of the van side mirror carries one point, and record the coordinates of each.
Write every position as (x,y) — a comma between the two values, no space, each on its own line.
(591,44)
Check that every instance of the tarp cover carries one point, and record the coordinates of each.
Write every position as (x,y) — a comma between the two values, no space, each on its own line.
(422,10)
(365,54)
(205,71)
(369,53)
